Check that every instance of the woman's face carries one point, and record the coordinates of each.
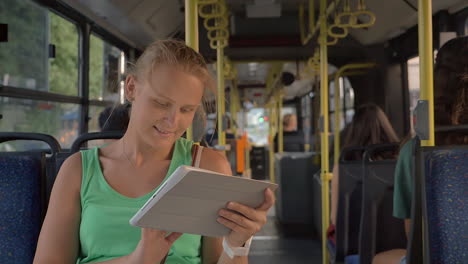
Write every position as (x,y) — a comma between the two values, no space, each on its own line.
(164,104)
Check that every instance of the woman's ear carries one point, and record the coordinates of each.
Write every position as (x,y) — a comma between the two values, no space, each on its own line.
(130,87)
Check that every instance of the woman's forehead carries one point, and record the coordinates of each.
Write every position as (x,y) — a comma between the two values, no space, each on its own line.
(174,82)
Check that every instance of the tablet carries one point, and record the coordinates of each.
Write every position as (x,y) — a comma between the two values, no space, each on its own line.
(190,199)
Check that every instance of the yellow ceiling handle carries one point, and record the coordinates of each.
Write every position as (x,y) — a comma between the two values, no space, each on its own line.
(362,14)
(331,40)
(367,17)
(217,9)
(337,31)
(214,23)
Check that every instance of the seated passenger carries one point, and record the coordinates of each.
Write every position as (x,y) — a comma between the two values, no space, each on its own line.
(450,108)
(370,126)
(114,118)
(97,191)
(293,140)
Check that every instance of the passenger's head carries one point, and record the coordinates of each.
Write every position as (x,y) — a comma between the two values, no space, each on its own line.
(114,118)
(289,122)
(370,126)
(451,90)
(165,88)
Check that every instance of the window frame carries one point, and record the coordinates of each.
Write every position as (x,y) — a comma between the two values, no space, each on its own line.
(85,27)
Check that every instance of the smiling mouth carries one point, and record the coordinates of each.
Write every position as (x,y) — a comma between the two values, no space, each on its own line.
(164,132)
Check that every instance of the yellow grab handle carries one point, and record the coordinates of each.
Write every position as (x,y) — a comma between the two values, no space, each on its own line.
(345,19)
(333,33)
(359,15)
(216,23)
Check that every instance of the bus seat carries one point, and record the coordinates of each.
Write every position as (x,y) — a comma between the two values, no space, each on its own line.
(294,172)
(445,194)
(379,230)
(54,148)
(83,138)
(349,203)
(22,205)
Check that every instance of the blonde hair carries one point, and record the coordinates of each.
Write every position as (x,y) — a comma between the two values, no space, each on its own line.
(175,53)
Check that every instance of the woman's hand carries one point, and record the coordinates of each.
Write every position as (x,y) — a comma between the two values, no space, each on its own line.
(245,221)
(153,246)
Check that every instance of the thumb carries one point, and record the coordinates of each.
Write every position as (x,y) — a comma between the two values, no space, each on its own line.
(173,237)
(268,202)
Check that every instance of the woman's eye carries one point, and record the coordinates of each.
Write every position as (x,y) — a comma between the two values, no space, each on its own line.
(186,110)
(162,104)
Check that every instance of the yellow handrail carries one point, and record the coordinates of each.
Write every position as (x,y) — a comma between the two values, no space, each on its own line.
(325,174)
(426,63)
(191,36)
(279,99)
(313,27)
(215,12)
(337,94)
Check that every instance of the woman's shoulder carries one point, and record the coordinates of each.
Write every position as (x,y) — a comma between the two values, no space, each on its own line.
(215,161)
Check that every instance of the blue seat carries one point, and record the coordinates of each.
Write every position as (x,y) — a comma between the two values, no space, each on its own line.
(445,197)
(21,205)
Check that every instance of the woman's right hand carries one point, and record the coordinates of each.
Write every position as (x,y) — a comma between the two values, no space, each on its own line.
(153,246)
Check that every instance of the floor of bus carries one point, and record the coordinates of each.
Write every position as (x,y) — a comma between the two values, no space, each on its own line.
(276,244)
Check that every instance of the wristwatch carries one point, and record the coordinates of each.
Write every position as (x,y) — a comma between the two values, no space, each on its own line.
(237,251)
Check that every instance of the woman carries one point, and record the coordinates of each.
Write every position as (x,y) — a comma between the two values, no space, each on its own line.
(450,108)
(370,126)
(99,190)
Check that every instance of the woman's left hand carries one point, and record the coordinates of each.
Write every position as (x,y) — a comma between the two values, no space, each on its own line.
(245,221)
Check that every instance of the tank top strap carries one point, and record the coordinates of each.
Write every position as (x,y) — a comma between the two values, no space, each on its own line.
(89,164)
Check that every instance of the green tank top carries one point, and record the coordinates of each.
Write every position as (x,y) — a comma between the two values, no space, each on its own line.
(105,232)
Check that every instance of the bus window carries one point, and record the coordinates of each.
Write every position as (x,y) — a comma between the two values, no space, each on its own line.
(24,115)
(347,103)
(413,82)
(25,56)
(257,126)
(107,65)
(63,68)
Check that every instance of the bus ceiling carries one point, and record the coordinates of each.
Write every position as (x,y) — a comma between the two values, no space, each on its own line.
(252,35)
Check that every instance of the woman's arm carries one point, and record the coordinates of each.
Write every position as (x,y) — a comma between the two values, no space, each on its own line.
(59,238)
(243,221)
(334,195)
(212,248)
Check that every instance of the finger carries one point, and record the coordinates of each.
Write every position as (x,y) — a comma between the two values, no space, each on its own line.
(173,237)
(237,218)
(246,211)
(233,226)
(268,202)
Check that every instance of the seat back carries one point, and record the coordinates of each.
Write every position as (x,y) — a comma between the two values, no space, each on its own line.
(379,230)
(50,172)
(83,138)
(444,196)
(349,203)
(22,204)
(294,171)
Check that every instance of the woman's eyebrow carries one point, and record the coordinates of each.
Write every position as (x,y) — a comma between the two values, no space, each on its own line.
(172,101)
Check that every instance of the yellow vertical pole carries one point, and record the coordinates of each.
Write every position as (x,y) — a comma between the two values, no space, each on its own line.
(426,59)
(272,143)
(220,99)
(234,98)
(191,35)
(325,175)
(279,101)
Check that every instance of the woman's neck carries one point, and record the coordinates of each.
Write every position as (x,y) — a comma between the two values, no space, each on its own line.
(140,153)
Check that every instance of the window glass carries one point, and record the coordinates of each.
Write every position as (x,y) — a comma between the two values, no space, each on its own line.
(60,120)
(94,112)
(257,126)
(107,65)
(24,58)
(413,82)
(63,68)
